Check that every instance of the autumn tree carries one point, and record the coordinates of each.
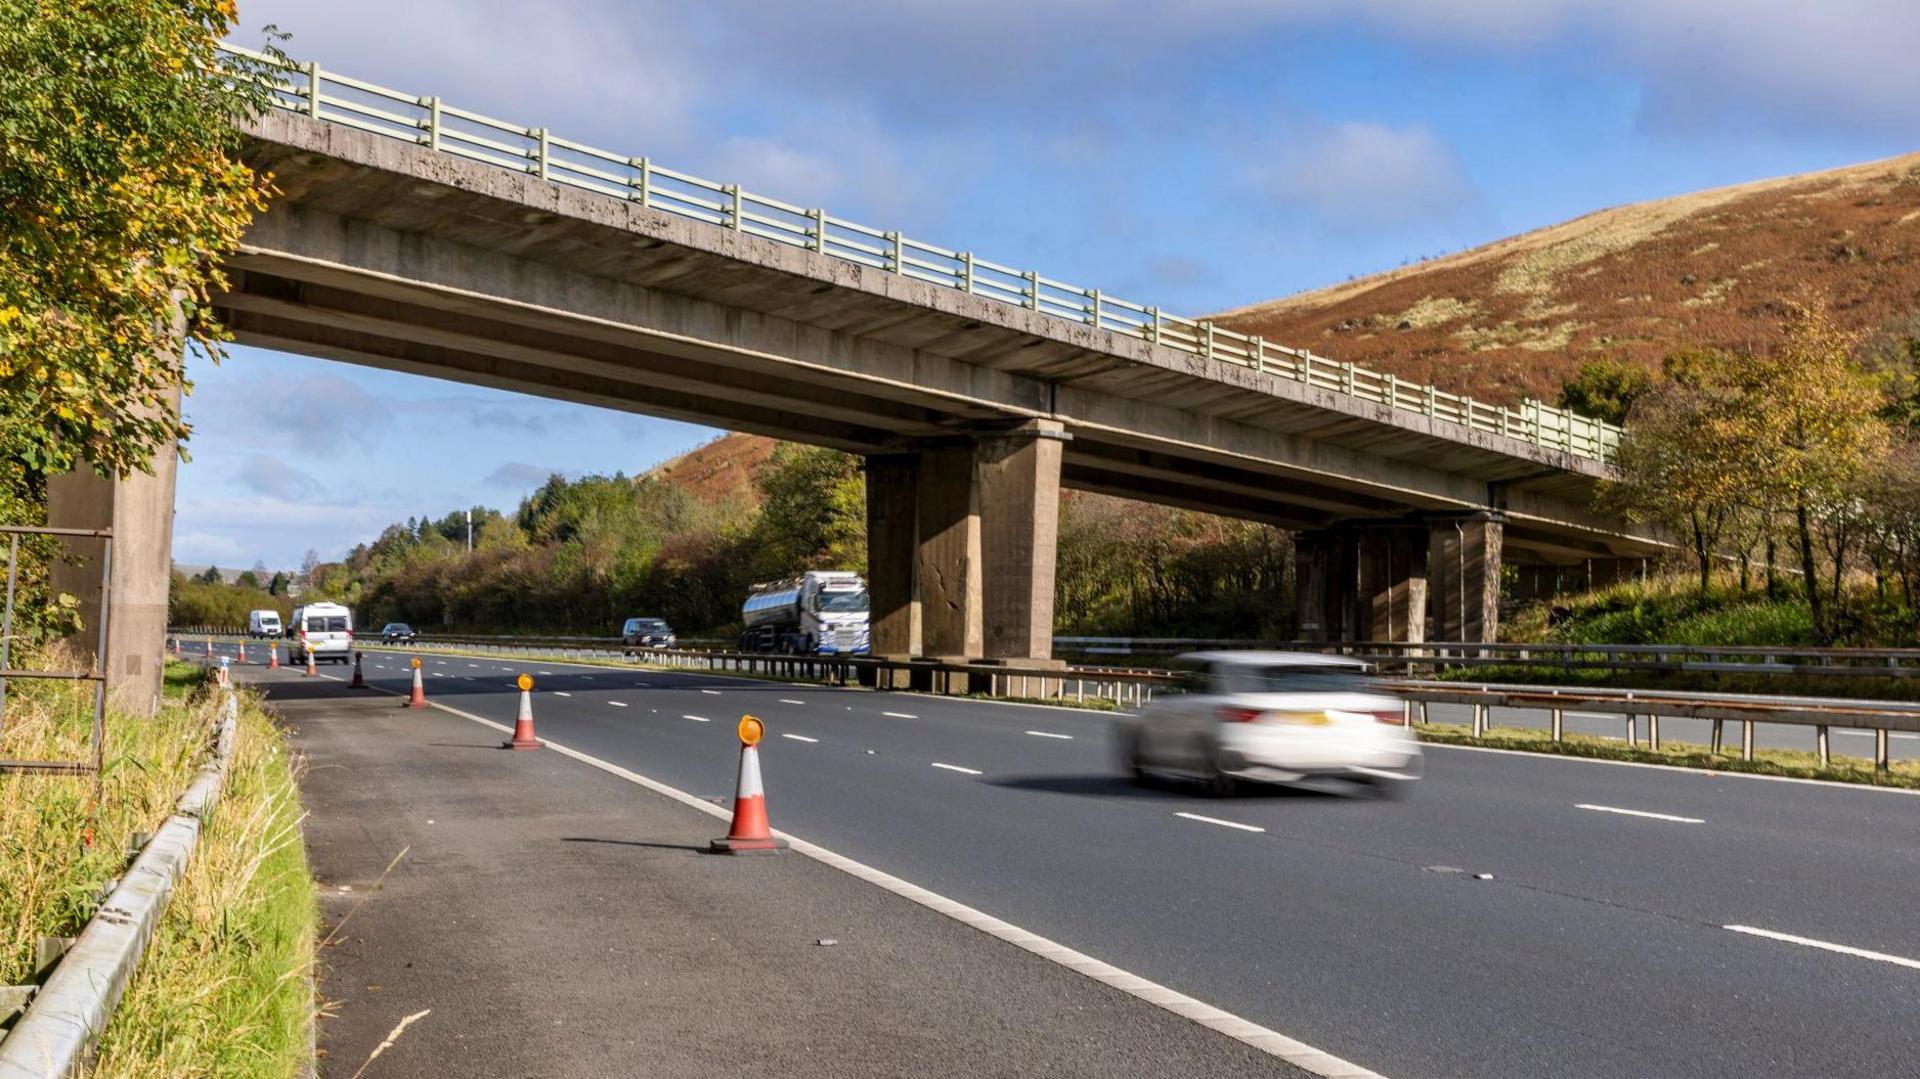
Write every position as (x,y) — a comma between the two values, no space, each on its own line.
(1605,389)
(120,189)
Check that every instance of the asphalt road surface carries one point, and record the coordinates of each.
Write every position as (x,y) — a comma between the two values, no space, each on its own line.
(1512,915)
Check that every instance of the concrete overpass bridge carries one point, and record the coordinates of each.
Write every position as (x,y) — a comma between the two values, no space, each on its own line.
(414,236)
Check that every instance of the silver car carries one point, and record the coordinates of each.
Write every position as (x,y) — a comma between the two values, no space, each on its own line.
(1272,717)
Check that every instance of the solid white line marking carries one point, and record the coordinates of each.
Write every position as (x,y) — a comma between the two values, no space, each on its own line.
(698,719)
(1050,734)
(957,768)
(561,693)
(800,738)
(1641,813)
(1862,953)
(790,700)
(1221,823)
(1677,769)
(900,715)
(1265,1039)
(618,704)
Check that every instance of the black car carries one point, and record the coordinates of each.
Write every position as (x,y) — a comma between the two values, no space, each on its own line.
(641,633)
(396,633)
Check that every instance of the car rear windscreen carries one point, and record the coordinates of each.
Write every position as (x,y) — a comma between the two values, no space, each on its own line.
(1294,680)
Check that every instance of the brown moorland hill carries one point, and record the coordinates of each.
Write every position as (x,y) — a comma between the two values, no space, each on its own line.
(717,471)
(1516,317)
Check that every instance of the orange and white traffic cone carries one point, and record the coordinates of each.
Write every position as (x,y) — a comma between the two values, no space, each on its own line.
(243,653)
(523,723)
(209,647)
(419,697)
(750,833)
(176,647)
(359,680)
(311,668)
(273,657)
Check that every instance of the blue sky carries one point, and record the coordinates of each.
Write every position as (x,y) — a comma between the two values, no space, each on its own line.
(1199,154)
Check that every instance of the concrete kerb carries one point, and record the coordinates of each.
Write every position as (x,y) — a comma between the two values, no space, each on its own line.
(1297,1053)
(52,1040)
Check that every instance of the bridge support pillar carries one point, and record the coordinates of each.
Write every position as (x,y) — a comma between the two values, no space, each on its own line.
(1393,583)
(1463,574)
(139,509)
(892,541)
(1018,476)
(1326,583)
(946,567)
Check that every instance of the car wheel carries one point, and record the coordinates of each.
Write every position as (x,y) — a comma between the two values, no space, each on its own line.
(1215,780)
(1132,760)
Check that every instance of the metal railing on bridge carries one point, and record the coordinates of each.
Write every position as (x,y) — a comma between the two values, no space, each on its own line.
(427,121)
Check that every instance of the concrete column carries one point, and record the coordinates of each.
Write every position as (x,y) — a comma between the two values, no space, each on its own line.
(947,555)
(1601,572)
(1326,584)
(1463,574)
(1393,583)
(1018,477)
(892,539)
(139,510)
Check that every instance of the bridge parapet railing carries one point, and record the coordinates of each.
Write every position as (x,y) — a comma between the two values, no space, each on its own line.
(427,121)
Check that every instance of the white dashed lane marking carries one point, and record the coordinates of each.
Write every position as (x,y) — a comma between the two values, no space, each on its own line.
(1641,813)
(561,693)
(1221,823)
(1827,946)
(790,700)
(698,719)
(957,768)
(800,738)
(618,704)
(711,692)
(1050,734)
(900,715)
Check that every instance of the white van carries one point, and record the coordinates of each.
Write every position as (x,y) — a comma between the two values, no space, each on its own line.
(326,628)
(263,624)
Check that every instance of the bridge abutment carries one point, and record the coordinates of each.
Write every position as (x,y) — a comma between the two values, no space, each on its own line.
(138,507)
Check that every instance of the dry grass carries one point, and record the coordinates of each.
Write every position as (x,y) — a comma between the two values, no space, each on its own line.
(1703,269)
(223,989)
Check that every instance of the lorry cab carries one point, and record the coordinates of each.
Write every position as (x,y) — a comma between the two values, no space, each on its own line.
(324,628)
(821,612)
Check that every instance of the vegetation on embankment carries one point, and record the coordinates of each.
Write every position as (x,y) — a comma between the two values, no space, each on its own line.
(225,987)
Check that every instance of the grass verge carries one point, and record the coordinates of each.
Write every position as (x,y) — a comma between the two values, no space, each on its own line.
(1793,763)
(224,988)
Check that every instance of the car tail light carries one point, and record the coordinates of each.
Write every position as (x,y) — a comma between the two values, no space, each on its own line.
(1239,715)
(1397,719)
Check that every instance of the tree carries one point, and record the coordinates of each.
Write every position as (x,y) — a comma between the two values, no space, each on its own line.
(1605,389)
(247,579)
(120,189)
(277,586)
(308,563)
(1810,417)
(1681,460)
(210,576)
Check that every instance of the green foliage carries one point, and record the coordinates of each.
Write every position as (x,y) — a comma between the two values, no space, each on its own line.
(813,513)
(1605,389)
(119,191)
(194,601)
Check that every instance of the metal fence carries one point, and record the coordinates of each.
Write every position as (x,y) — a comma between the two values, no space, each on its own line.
(95,674)
(427,121)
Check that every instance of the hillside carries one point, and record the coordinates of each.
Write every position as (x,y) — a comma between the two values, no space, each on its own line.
(718,470)
(1515,317)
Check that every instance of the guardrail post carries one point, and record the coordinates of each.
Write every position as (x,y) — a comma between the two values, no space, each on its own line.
(1715,739)
(899,253)
(313,89)
(1033,290)
(1479,720)
(644,180)
(1093,305)
(1153,324)
(1556,719)
(545,151)
(1206,339)
(433,123)
(1653,731)
(1429,402)
(1746,739)
(739,221)
(1257,352)
(1820,744)
(966,272)
(1633,731)
(820,231)
(1881,761)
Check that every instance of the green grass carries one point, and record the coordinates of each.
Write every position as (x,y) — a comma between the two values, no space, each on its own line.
(1773,762)
(224,988)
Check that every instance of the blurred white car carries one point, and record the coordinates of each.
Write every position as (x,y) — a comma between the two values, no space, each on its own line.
(1272,717)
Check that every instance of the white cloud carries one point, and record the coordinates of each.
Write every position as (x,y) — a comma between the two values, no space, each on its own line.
(518,475)
(275,478)
(1358,174)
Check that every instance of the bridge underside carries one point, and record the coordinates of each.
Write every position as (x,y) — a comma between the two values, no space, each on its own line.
(971,413)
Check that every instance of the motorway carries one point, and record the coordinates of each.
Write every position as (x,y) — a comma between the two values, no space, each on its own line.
(1513,914)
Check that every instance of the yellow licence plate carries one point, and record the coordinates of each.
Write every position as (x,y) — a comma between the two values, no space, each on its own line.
(1310,719)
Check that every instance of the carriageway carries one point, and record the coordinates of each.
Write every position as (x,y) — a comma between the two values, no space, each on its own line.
(415,236)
